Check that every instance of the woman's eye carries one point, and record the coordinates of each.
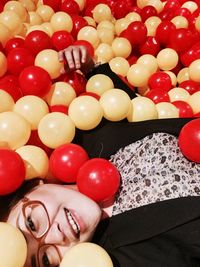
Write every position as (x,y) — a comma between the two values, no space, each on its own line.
(30,224)
(45,260)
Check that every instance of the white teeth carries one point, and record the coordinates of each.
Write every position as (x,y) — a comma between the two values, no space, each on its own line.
(72,222)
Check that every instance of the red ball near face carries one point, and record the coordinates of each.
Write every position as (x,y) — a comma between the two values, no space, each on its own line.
(98,179)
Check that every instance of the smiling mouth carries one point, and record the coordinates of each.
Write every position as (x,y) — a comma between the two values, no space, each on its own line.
(73,223)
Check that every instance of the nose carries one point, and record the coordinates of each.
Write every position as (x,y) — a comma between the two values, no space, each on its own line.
(54,235)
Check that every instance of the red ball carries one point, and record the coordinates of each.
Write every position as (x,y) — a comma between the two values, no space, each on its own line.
(66,160)
(98,179)
(191,86)
(163,32)
(12,172)
(59,108)
(91,94)
(35,80)
(78,23)
(158,95)
(77,81)
(121,8)
(37,41)
(180,40)
(136,32)
(185,110)
(61,40)
(70,7)
(55,4)
(13,43)
(147,12)
(150,46)
(160,80)
(10,84)
(189,140)
(18,59)
(88,46)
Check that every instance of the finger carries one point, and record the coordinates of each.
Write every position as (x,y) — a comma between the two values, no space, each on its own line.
(70,59)
(83,54)
(61,55)
(76,55)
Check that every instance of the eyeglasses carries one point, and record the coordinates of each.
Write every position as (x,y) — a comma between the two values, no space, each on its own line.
(37,223)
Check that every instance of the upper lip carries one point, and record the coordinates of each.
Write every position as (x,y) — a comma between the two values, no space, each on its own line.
(75,234)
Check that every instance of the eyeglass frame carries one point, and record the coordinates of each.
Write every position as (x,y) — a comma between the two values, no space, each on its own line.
(26,202)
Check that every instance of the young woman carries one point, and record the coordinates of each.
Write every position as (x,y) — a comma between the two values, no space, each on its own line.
(154,220)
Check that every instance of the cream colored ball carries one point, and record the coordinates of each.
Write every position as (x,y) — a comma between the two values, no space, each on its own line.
(167,110)
(99,83)
(6,101)
(194,69)
(167,59)
(180,22)
(106,35)
(138,75)
(61,21)
(178,93)
(3,64)
(121,47)
(89,34)
(102,12)
(194,102)
(149,62)
(45,12)
(119,65)
(183,75)
(104,53)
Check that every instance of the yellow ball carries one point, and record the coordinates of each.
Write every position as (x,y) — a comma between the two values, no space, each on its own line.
(172,76)
(121,25)
(149,62)
(104,53)
(85,112)
(36,28)
(35,18)
(13,247)
(157,4)
(3,64)
(116,104)
(61,93)
(18,8)
(89,34)
(5,34)
(190,5)
(133,16)
(48,60)
(197,23)
(45,12)
(36,161)
(32,108)
(194,69)
(61,21)
(121,47)
(142,108)
(138,75)
(14,129)
(86,255)
(102,12)
(11,20)
(105,35)
(180,22)
(143,90)
(99,83)
(167,110)
(167,59)
(178,93)
(6,101)
(119,65)
(183,75)
(28,4)
(56,129)
(46,27)
(90,21)
(81,4)
(142,3)
(194,102)
(106,24)
(152,24)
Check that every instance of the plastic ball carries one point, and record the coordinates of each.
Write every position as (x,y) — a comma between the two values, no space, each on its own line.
(157,4)
(36,161)
(180,22)
(158,95)
(194,70)
(189,140)
(47,28)
(12,21)
(88,45)
(35,80)
(13,247)
(45,12)
(61,40)
(77,81)
(13,43)
(106,35)
(34,18)
(18,59)
(167,59)
(160,80)
(116,104)
(180,40)
(164,31)
(56,129)
(121,25)
(98,179)
(86,255)
(133,16)
(59,108)
(48,60)
(5,34)
(70,7)
(81,4)
(101,12)
(152,24)
(66,160)
(28,4)
(14,129)
(54,4)
(90,21)
(142,108)
(9,83)
(178,93)
(99,83)
(194,102)
(121,47)
(149,62)
(12,171)
(119,65)
(6,101)
(86,112)
(191,86)
(138,75)
(61,21)
(89,34)
(3,64)
(78,23)
(61,93)
(183,75)
(167,110)
(32,108)
(106,24)
(185,110)
(173,77)
(136,32)
(150,46)
(36,41)
(147,12)
(104,53)
(18,8)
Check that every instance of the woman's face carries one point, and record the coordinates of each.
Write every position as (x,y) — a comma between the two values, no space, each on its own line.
(73,218)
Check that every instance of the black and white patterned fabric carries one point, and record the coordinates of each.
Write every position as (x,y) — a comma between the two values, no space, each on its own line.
(154,169)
